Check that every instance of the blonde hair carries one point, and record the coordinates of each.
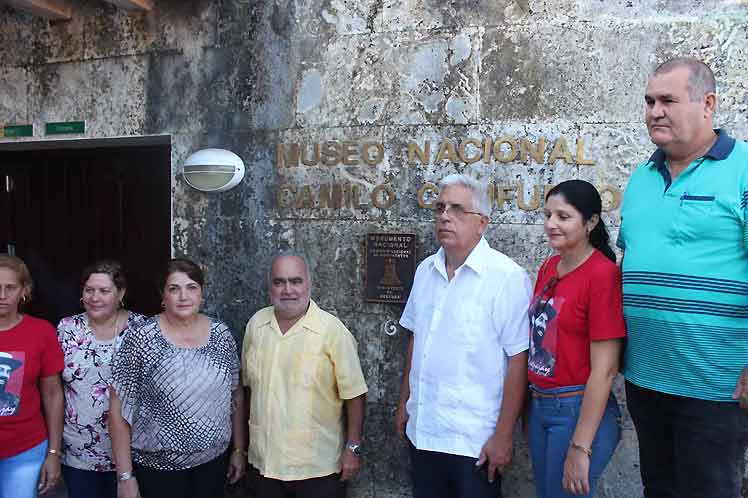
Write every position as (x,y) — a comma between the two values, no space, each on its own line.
(17,265)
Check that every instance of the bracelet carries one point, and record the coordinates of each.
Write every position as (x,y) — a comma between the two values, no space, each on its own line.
(586,451)
(53,452)
(125,476)
(239,450)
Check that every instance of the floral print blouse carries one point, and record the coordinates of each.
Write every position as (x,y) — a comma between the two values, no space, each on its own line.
(86,376)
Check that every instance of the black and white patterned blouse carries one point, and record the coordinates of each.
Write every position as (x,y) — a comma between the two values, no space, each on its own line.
(177,400)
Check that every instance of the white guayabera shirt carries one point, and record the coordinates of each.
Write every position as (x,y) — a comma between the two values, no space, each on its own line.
(464,332)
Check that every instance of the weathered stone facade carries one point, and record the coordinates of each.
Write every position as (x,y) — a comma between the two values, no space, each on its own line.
(247,75)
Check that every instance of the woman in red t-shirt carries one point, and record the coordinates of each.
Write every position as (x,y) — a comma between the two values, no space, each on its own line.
(31,400)
(576,331)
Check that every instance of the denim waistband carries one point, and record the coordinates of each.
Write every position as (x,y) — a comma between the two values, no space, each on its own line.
(556,390)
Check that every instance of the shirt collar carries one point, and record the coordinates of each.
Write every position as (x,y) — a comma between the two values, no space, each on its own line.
(719,152)
(310,321)
(476,260)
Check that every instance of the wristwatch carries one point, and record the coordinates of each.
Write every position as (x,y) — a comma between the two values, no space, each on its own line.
(355,448)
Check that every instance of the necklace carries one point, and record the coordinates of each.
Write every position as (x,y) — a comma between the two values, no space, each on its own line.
(114,328)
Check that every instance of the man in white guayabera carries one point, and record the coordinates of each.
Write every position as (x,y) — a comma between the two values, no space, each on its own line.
(466,367)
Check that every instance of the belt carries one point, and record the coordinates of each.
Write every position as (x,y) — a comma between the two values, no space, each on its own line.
(536,394)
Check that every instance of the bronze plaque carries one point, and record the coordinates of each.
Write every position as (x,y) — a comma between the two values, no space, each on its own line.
(390,267)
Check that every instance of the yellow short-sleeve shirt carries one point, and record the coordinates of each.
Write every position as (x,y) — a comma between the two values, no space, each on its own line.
(298,383)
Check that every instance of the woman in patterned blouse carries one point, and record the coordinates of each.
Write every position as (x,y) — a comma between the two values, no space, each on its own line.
(177,404)
(88,341)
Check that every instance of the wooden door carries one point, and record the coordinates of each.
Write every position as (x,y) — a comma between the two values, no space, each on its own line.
(68,208)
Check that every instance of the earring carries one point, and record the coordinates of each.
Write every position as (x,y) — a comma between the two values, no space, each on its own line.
(122,303)
(23,299)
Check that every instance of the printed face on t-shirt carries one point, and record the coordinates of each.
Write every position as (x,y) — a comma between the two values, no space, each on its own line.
(543,335)
(540,323)
(4,374)
(11,378)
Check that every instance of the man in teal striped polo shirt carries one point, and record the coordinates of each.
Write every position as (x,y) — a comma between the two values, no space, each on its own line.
(684,232)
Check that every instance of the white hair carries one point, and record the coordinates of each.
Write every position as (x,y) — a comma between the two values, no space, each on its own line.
(481,202)
(290,254)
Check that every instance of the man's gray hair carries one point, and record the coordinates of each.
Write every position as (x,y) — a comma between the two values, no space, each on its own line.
(700,77)
(290,254)
(481,202)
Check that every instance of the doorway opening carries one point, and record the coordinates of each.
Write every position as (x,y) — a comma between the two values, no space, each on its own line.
(66,204)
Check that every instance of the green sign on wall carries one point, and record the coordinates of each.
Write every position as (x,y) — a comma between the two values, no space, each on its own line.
(17,131)
(65,128)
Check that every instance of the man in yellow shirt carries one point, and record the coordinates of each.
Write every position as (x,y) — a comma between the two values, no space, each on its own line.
(300,366)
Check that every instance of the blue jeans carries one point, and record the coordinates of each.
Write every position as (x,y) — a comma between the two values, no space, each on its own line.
(19,474)
(89,483)
(551,427)
(688,447)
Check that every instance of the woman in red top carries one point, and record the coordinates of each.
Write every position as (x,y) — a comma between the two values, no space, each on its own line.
(31,400)
(576,331)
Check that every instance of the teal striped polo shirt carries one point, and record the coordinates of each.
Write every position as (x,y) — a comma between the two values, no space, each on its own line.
(685,273)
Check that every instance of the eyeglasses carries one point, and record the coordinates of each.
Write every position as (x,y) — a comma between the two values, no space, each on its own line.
(456,210)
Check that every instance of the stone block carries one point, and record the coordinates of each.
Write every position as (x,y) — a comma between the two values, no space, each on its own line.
(14,99)
(424,15)
(106,93)
(293,19)
(406,78)
(169,27)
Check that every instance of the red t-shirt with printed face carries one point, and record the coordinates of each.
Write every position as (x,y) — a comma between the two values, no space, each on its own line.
(566,314)
(28,352)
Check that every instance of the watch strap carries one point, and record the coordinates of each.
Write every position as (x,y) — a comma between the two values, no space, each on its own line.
(354,448)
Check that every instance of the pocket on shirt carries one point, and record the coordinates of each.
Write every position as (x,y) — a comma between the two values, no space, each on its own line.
(304,368)
(473,323)
(695,215)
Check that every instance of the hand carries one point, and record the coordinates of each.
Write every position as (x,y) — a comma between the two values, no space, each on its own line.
(498,452)
(741,389)
(237,466)
(128,489)
(50,474)
(401,420)
(350,465)
(576,472)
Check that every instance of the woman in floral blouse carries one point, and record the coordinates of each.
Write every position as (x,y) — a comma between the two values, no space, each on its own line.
(89,340)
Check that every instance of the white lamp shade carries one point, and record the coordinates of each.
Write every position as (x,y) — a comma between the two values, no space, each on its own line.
(213,170)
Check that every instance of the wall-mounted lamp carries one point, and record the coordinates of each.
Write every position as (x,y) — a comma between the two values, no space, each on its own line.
(213,170)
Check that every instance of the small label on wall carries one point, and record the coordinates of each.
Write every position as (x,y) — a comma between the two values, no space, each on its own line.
(64,128)
(17,131)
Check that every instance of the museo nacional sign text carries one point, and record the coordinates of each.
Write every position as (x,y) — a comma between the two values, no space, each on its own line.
(488,150)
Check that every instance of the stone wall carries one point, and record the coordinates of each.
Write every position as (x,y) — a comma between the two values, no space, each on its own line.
(248,75)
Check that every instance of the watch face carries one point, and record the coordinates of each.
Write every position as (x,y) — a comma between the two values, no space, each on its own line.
(355,448)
